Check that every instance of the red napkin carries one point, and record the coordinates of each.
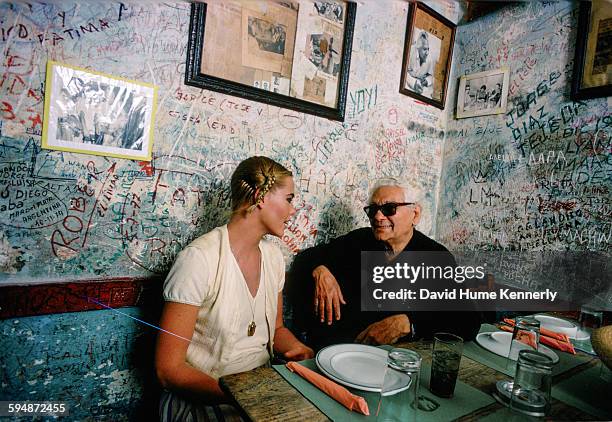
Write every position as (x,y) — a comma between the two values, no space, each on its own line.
(548,341)
(544,331)
(558,344)
(335,391)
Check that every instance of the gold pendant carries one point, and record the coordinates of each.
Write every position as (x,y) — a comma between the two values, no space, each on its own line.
(251,329)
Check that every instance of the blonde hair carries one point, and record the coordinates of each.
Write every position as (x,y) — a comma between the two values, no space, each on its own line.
(253,179)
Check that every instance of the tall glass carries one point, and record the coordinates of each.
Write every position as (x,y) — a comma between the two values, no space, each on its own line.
(532,382)
(447,351)
(399,392)
(525,336)
(590,318)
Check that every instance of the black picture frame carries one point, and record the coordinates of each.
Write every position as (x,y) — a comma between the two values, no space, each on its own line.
(582,58)
(435,25)
(194,77)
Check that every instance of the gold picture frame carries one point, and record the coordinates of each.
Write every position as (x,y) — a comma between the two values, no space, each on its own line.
(95,113)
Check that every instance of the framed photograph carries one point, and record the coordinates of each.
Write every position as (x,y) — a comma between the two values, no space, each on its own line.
(428,51)
(593,58)
(292,54)
(94,113)
(483,93)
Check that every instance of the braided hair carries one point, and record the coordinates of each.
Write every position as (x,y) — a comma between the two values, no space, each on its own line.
(253,179)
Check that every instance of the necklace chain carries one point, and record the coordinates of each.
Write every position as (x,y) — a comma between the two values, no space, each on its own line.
(252,300)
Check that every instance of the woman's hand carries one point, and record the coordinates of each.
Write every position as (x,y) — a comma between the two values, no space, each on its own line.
(299,352)
(328,295)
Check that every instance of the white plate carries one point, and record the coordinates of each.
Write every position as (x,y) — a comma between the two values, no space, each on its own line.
(498,342)
(361,367)
(559,325)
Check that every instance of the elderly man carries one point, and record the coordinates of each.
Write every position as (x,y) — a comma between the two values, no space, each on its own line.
(330,274)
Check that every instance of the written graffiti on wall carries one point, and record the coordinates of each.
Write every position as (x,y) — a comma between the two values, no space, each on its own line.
(86,360)
(66,215)
(540,176)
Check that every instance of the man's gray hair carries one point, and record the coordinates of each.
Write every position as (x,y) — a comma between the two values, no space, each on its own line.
(410,194)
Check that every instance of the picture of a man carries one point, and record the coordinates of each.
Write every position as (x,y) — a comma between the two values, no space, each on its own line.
(422,63)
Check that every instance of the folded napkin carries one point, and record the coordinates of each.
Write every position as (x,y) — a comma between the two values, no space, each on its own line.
(544,331)
(335,391)
(548,341)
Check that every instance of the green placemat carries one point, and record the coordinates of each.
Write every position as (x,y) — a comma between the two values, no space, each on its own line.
(587,391)
(465,400)
(478,353)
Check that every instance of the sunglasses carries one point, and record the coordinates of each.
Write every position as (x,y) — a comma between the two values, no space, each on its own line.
(388,209)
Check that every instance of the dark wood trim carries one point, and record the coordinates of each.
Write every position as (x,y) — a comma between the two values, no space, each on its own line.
(406,58)
(479,8)
(78,295)
(579,93)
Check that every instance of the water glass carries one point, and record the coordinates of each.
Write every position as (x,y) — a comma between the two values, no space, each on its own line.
(532,383)
(447,351)
(590,318)
(525,336)
(398,403)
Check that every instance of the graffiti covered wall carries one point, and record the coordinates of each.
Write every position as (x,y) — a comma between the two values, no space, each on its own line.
(538,177)
(77,215)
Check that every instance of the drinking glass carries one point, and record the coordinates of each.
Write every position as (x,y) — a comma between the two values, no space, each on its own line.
(590,318)
(398,403)
(446,357)
(532,382)
(525,336)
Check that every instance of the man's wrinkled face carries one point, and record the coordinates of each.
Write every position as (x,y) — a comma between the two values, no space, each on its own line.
(397,227)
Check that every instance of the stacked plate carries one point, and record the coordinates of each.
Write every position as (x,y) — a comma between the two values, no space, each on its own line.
(361,367)
(562,326)
(498,342)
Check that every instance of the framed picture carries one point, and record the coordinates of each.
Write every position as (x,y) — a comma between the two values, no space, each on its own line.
(593,59)
(292,54)
(428,51)
(483,93)
(94,113)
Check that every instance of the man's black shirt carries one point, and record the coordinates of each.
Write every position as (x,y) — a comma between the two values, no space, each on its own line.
(342,257)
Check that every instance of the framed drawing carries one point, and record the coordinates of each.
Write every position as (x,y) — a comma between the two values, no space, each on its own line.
(428,51)
(292,54)
(483,93)
(94,113)
(593,58)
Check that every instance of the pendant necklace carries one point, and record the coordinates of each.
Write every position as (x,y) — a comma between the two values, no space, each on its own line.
(252,300)
(252,326)
(253,304)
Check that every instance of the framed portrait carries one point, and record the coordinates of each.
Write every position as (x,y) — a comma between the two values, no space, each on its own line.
(483,93)
(593,58)
(428,51)
(292,54)
(95,113)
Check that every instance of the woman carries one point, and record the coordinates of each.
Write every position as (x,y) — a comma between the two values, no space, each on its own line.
(223,310)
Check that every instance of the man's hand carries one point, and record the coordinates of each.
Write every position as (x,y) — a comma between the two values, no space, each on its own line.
(328,296)
(386,331)
(300,352)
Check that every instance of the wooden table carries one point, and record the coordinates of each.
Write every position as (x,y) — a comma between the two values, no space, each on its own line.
(264,395)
